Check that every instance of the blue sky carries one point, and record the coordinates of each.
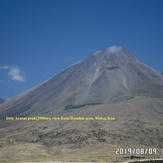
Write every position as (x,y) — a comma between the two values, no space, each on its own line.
(39,38)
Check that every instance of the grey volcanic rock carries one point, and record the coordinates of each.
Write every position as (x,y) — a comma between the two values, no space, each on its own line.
(107,76)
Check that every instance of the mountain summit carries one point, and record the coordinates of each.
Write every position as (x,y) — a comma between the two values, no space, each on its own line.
(106,76)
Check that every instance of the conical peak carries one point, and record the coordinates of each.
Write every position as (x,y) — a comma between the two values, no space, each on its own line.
(110,50)
(113,54)
(115,51)
(109,75)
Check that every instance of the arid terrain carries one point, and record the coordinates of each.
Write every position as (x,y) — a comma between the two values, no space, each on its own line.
(86,141)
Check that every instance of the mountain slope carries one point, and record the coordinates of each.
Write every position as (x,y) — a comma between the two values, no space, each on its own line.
(110,75)
(108,83)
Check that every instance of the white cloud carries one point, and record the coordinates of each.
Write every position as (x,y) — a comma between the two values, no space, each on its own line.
(114,49)
(14,73)
(4,67)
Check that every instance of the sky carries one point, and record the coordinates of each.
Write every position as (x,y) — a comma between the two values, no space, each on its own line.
(40,38)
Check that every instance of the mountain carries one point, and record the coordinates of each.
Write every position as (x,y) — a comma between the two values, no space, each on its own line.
(108,83)
(110,75)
